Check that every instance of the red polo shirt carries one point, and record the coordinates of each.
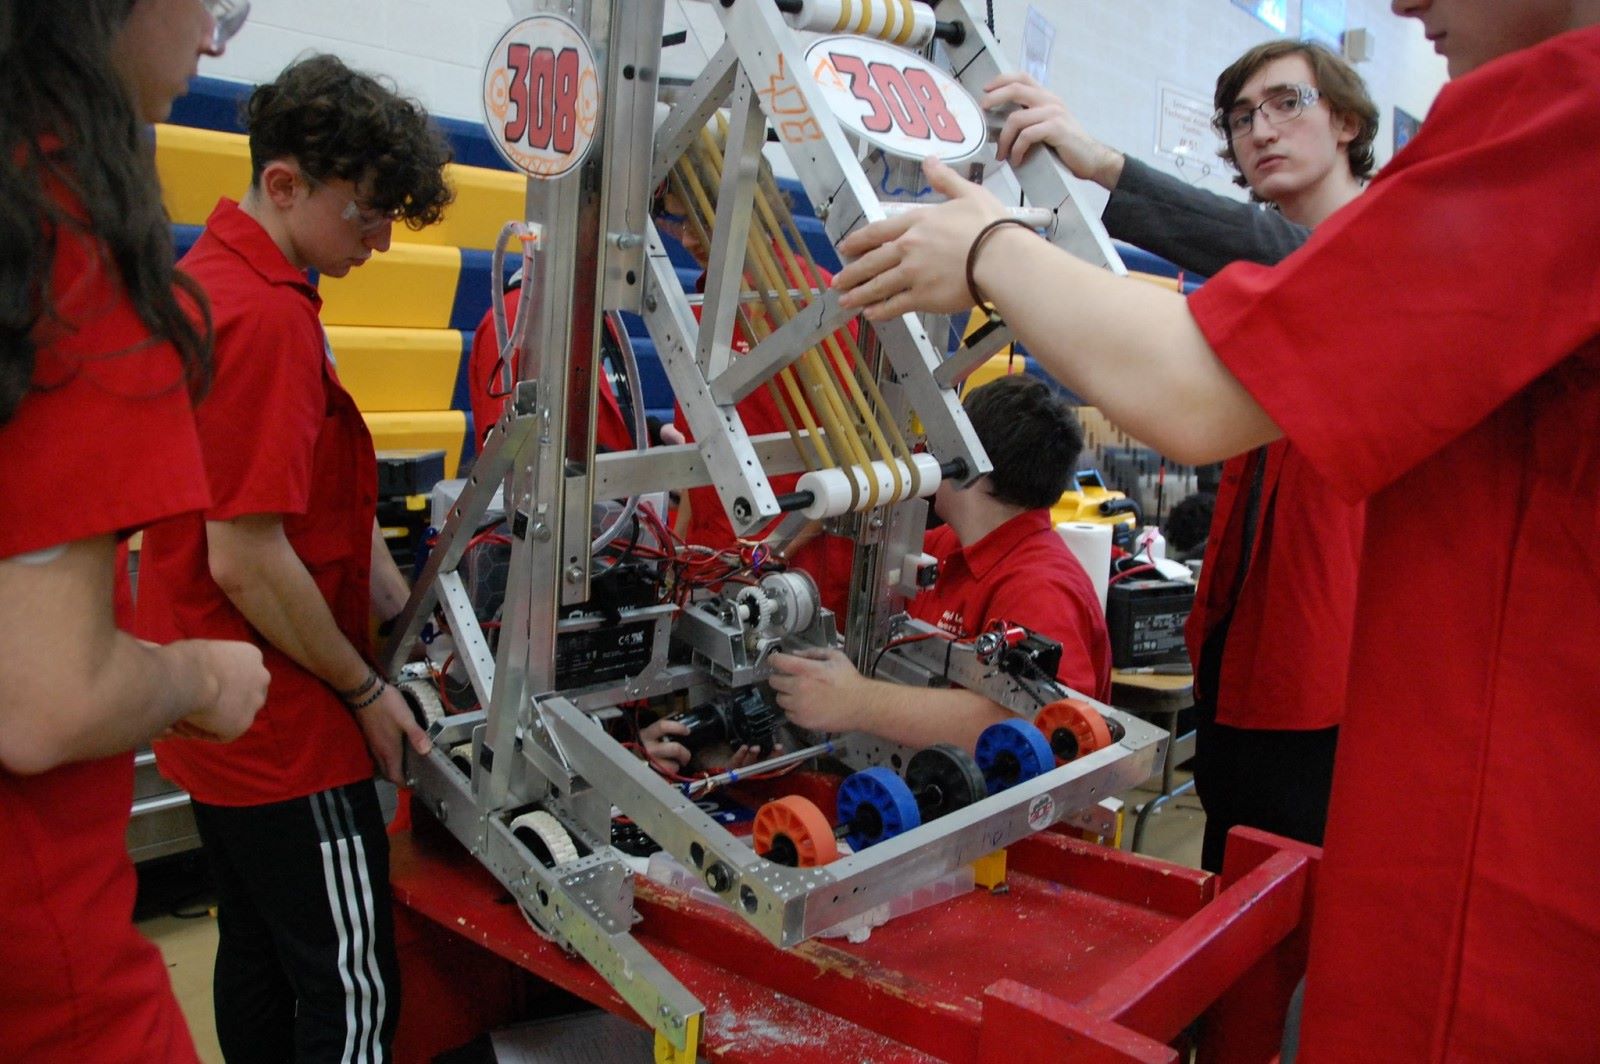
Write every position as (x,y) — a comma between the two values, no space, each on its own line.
(1461,398)
(280,436)
(104,444)
(1292,616)
(612,433)
(1024,573)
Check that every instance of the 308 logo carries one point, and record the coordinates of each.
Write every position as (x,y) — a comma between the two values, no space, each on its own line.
(543,92)
(908,99)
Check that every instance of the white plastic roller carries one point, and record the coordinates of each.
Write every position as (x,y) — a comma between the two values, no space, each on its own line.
(901,22)
(830,488)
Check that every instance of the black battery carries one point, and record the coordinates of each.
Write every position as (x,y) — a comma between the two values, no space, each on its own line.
(598,655)
(1146,619)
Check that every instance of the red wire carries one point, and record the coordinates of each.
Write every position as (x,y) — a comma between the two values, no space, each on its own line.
(1131,572)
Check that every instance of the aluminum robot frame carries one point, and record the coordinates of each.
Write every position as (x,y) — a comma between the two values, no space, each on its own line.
(537,745)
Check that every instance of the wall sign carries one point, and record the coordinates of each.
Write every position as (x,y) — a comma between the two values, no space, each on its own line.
(896,100)
(1274,13)
(1183,129)
(541,96)
(1406,126)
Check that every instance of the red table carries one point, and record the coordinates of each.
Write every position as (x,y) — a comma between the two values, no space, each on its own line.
(1089,954)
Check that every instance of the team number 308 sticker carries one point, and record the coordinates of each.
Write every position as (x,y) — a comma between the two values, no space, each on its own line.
(895,99)
(541,96)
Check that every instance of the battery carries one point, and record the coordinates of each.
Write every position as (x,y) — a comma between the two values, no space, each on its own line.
(598,655)
(1145,619)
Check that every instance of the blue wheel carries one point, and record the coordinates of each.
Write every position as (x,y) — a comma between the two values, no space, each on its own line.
(1012,752)
(877,805)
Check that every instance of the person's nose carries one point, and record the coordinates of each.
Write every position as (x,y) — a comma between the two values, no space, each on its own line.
(380,238)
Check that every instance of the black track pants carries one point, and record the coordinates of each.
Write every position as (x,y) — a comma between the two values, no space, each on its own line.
(306,967)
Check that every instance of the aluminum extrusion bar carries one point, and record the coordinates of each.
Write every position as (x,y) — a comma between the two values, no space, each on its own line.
(812,323)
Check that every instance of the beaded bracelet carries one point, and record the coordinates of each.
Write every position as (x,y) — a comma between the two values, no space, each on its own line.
(367,701)
(359,689)
(972,253)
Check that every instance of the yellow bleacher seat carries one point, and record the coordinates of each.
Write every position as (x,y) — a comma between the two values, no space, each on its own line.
(390,370)
(411,286)
(425,430)
(198,166)
(485,201)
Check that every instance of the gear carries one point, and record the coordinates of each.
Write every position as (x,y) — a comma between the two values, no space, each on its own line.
(795,598)
(762,611)
(544,835)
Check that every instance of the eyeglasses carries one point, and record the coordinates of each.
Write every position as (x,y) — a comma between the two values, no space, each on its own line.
(1280,107)
(227,19)
(367,219)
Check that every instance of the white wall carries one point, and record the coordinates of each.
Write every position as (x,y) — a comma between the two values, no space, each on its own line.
(1108,59)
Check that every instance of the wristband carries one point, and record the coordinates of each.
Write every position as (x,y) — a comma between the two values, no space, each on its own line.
(367,701)
(359,689)
(972,253)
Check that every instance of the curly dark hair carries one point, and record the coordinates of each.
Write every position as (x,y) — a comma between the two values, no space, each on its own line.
(339,123)
(69,123)
(1189,524)
(1032,436)
(1335,79)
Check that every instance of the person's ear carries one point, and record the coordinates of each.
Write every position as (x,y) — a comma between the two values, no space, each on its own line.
(280,184)
(1345,128)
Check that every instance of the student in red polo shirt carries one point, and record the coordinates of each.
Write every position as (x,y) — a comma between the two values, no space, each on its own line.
(1277,595)
(97,365)
(1000,559)
(612,432)
(1463,403)
(288,556)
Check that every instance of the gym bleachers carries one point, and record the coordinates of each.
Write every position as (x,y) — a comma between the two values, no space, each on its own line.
(401,326)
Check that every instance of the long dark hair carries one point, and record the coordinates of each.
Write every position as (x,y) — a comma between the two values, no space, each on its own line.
(67,120)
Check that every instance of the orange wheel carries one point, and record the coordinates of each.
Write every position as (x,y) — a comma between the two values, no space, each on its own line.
(1074,728)
(793,831)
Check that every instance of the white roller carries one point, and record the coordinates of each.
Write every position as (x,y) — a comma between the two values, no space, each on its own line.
(550,832)
(830,488)
(427,697)
(899,22)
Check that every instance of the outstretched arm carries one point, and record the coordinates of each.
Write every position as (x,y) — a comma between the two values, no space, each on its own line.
(1132,349)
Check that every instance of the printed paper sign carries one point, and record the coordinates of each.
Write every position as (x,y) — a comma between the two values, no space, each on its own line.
(896,100)
(1183,129)
(541,96)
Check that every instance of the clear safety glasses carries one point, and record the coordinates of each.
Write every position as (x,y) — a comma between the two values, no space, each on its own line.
(1283,105)
(228,18)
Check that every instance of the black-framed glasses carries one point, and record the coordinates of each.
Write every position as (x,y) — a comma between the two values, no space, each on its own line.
(227,19)
(1284,105)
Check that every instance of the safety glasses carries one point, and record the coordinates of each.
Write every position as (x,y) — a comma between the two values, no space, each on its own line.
(227,18)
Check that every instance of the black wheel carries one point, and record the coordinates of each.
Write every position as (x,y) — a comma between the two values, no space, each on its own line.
(945,778)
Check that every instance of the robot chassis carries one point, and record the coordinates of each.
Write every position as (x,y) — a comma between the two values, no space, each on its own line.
(537,745)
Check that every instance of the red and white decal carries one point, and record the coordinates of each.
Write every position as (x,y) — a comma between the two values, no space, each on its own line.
(896,99)
(541,96)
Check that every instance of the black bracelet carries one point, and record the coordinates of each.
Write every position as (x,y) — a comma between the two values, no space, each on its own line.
(359,689)
(977,243)
(367,701)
